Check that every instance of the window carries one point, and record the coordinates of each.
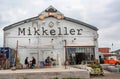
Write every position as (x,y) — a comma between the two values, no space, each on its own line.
(76,54)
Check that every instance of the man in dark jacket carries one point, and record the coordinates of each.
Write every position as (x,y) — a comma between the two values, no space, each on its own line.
(33,62)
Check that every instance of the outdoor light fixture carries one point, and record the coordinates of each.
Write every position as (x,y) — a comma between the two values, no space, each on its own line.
(73,39)
(52,40)
(29,40)
(51,52)
(52,44)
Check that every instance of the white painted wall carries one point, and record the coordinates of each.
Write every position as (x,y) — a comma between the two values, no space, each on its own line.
(43,44)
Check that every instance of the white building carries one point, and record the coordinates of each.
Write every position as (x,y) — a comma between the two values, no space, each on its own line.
(52,34)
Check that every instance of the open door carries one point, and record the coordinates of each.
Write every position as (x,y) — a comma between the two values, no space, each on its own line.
(79,57)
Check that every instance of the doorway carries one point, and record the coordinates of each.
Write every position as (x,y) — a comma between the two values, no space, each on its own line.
(79,57)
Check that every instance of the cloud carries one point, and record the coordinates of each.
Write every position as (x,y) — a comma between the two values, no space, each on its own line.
(105,15)
(114,11)
(110,35)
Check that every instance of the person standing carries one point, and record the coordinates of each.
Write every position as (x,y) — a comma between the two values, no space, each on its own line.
(33,62)
(101,60)
(26,62)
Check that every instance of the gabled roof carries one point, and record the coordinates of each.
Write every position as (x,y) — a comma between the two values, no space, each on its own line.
(50,12)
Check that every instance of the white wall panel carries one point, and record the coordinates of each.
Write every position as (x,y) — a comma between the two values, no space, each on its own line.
(44,43)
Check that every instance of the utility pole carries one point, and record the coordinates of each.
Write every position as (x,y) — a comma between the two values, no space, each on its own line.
(112,48)
(16,56)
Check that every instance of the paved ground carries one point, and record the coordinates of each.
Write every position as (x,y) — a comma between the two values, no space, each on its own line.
(45,73)
(108,75)
(41,70)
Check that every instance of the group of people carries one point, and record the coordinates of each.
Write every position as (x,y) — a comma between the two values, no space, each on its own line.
(31,63)
(50,61)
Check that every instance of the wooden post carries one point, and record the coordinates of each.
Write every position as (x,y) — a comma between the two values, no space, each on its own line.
(16,53)
(65,55)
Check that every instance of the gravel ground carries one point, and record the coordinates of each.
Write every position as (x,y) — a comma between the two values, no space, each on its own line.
(107,75)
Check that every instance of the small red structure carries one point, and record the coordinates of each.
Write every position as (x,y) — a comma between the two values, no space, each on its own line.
(104,51)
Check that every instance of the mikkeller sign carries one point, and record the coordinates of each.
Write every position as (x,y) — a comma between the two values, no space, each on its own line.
(46,32)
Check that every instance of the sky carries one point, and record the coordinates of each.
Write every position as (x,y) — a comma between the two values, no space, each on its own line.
(103,14)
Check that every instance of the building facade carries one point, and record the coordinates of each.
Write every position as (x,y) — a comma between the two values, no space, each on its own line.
(52,34)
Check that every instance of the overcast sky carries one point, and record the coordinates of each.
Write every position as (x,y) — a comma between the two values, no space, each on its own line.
(104,14)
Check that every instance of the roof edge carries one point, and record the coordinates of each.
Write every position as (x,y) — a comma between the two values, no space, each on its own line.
(37,17)
(80,22)
(20,22)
